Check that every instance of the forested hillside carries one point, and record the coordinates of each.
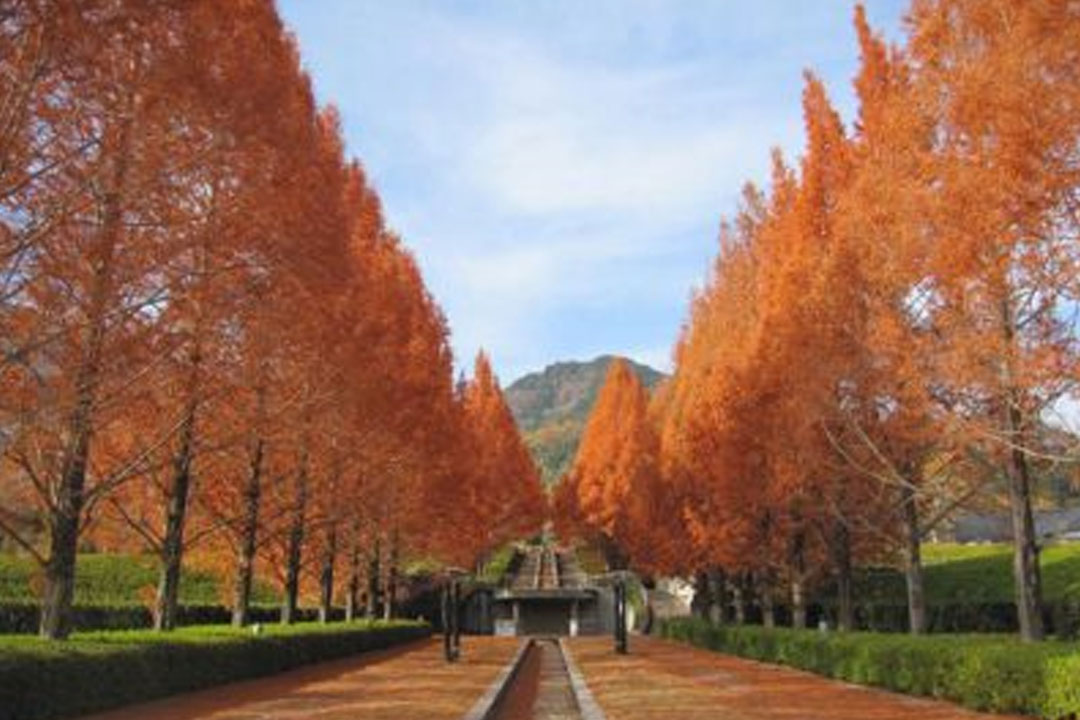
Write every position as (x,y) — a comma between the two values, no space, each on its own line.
(551,407)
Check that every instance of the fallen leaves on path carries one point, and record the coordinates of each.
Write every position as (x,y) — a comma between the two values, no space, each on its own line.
(660,679)
(401,684)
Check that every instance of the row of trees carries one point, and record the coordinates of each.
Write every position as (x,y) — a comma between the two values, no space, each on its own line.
(209,337)
(885,331)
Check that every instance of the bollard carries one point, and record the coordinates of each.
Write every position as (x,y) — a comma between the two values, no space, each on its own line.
(620,617)
(447,615)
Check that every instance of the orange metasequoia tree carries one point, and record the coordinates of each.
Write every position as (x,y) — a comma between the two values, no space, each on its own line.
(504,499)
(614,473)
(211,341)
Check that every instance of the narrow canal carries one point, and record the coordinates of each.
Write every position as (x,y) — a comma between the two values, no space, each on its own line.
(541,690)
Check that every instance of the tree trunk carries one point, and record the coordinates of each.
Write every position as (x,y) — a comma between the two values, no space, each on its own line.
(798,604)
(326,574)
(64,520)
(352,596)
(765,580)
(60,569)
(842,566)
(699,604)
(172,547)
(176,502)
(1026,550)
(245,562)
(389,605)
(374,572)
(738,599)
(913,572)
(768,606)
(295,550)
(798,577)
(717,604)
(1018,475)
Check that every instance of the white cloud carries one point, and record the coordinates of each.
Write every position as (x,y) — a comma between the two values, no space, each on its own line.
(658,358)
(1064,413)
(550,135)
(560,167)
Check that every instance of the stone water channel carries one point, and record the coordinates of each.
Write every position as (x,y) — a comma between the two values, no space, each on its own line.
(541,687)
(542,682)
(546,594)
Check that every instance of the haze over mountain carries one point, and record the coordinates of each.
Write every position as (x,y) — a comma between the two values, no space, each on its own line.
(552,406)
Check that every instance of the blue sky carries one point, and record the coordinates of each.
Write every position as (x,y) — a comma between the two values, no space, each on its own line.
(560,167)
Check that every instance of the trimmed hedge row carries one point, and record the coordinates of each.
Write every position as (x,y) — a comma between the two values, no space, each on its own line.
(41,680)
(982,672)
(22,617)
(1061,619)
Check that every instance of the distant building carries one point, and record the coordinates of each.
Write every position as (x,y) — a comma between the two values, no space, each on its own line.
(1049,525)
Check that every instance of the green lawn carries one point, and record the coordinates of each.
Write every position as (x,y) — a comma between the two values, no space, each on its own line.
(973,573)
(117,579)
(984,572)
(938,553)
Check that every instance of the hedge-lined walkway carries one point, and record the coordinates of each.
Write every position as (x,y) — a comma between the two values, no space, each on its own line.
(405,682)
(661,679)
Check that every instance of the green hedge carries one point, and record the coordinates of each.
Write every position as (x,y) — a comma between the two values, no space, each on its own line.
(95,671)
(1061,619)
(993,673)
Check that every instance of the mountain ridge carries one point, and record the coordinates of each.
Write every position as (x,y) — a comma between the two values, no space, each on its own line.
(551,407)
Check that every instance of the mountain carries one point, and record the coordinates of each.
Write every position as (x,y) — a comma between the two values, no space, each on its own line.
(552,406)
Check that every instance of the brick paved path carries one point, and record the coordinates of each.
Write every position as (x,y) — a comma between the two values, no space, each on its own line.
(660,680)
(405,683)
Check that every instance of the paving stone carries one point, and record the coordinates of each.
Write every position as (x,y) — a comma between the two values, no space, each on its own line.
(411,683)
(662,680)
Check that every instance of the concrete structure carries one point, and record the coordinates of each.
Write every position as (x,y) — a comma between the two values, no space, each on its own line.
(548,595)
(1049,525)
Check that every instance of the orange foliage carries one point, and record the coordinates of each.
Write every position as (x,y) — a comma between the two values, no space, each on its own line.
(899,302)
(212,341)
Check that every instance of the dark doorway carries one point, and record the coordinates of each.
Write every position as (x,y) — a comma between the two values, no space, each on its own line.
(540,617)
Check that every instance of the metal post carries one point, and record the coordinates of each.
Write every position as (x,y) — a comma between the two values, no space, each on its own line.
(447,614)
(620,616)
(456,621)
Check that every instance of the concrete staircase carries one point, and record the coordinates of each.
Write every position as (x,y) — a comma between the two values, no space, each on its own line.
(549,593)
(528,574)
(570,573)
(548,577)
(546,568)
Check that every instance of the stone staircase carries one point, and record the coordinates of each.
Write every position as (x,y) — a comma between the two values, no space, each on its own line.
(549,571)
(547,568)
(528,573)
(548,582)
(570,573)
